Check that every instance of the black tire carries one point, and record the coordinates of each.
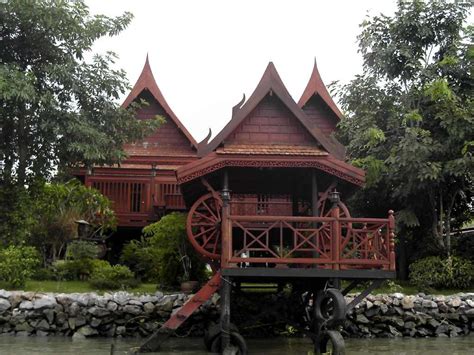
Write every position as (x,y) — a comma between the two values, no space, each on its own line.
(213,331)
(330,307)
(337,342)
(235,339)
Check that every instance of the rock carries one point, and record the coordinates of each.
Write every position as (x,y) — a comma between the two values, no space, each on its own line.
(148,307)
(43,325)
(44,302)
(408,302)
(40,333)
(429,304)
(121,297)
(98,312)
(4,305)
(369,304)
(95,322)
(121,330)
(5,294)
(409,325)
(433,323)
(470,303)
(442,329)
(49,314)
(22,334)
(166,305)
(454,302)
(72,323)
(135,303)
(78,336)
(23,327)
(74,309)
(394,331)
(443,308)
(112,306)
(362,319)
(26,305)
(87,331)
(383,308)
(135,310)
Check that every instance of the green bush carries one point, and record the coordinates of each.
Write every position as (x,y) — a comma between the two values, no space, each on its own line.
(108,277)
(44,274)
(80,250)
(142,259)
(175,259)
(17,264)
(436,272)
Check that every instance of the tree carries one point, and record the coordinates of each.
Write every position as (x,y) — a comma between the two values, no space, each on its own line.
(409,117)
(59,109)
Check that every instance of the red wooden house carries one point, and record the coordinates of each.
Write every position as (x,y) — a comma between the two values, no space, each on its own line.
(144,186)
(264,206)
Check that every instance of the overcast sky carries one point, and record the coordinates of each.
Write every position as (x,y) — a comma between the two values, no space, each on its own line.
(205,54)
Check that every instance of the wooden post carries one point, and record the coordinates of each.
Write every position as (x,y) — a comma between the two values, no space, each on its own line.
(391,239)
(226,288)
(336,237)
(226,228)
(314,208)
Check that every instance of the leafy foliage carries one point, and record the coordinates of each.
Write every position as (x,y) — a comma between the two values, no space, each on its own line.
(410,118)
(57,207)
(436,272)
(17,264)
(59,109)
(111,277)
(167,252)
(81,250)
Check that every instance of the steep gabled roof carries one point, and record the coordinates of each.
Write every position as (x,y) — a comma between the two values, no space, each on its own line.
(146,81)
(270,83)
(316,87)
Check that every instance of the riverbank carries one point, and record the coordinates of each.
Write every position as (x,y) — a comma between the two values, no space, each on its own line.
(122,314)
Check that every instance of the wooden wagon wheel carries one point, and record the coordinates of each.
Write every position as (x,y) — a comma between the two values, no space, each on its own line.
(324,208)
(204,226)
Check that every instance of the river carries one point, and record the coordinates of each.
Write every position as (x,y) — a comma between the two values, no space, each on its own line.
(11,345)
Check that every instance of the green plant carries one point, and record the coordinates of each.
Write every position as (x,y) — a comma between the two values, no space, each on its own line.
(17,264)
(176,260)
(142,259)
(80,250)
(437,272)
(106,276)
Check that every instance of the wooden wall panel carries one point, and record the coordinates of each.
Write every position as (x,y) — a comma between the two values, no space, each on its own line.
(320,115)
(271,123)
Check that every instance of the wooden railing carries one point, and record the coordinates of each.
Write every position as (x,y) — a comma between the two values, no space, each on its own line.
(327,242)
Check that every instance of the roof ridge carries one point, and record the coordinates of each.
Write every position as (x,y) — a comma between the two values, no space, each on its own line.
(147,81)
(316,86)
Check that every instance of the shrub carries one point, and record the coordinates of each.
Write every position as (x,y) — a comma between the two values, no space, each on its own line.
(436,272)
(44,274)
(17,264)
(108,277)
(176,259)
(80,250)
(142,259)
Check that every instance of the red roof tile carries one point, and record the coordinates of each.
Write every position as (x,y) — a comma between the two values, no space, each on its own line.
(271,149)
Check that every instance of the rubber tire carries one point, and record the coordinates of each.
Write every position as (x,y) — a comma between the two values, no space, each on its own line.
(339,307)
(338,343)
(235,339)
(213,331)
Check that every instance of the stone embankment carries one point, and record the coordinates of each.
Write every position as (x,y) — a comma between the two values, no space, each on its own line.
(397,315)
(122,314)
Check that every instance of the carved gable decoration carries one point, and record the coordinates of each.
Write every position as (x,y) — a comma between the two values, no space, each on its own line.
(271,116)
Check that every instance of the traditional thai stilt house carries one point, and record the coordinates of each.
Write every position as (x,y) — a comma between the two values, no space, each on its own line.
(144,186)
(264,206)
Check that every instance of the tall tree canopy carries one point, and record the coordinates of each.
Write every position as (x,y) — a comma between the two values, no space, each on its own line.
(57,108)
(409,116)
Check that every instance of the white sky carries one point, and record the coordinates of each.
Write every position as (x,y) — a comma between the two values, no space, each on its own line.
(205,54)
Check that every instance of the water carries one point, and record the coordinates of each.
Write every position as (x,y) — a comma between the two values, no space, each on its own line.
(10,345)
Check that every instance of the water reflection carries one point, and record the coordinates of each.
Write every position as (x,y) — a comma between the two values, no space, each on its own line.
(10,345)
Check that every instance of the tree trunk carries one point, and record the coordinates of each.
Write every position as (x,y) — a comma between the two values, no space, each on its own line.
(22,149)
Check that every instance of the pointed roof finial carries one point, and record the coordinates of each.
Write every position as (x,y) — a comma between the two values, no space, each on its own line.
(316,86)
(146,81)
(269,83)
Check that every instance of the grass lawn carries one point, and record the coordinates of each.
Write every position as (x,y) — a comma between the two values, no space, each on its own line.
(74,286)
(84,286)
